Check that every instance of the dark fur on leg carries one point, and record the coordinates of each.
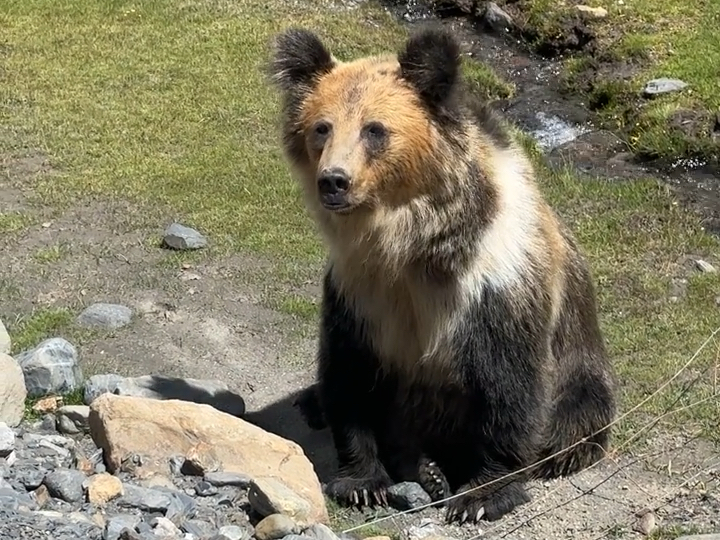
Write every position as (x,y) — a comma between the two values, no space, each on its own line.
(309,405)
(433,480)
(353,402)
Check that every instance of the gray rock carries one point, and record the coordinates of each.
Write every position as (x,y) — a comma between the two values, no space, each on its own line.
(198,528)
(296,537)
(407,495)
(205,489)
(30,478)
(214,393)
(318,531)
(181,507)
(233,532)
(12,391)
(180,237)
(65,484)
(102,315)
(7,440)
(5,343)
(274,527)
(222,479)
(73,419)
(496,18)
(115,525)
(145,499)
(714,536)
(705,266)
(663,85)
(14,500)
(162,526)
(100,384)
(51,368)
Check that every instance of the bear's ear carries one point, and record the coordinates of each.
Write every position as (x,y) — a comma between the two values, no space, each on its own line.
(298,57)
(431,63)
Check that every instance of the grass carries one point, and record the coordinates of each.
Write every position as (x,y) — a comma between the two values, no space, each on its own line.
(164,104)
(14,221)
(663,38)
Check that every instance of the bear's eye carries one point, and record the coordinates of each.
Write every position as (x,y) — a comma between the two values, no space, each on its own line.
(322,129)
(375,130)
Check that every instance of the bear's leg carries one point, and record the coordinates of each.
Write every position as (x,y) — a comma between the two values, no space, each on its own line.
(584,401)
(354,399)
(308,404)
(503,355)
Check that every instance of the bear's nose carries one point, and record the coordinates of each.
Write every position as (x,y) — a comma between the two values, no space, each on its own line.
(333,182)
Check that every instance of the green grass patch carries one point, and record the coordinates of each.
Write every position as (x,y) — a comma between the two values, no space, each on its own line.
(483,80)
(29,331)
(166,103)
(51,254)
(302,307)
(14,221)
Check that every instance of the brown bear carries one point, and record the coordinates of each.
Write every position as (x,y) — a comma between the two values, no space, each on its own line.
(459,339)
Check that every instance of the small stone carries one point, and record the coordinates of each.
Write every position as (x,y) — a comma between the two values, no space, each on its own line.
(51,368)
(205,489)
(663,85)
(31,478)
(115,525)
(233,532)
(145,499)
(645,524)
(271,496)
(108,316)
(73,419)
(7,440)
(199,460)
(496,18)
(65,484)
(100,384)
(407,495)
(103,488)
(10,459)
(47,405)
(222,479)
(41,496)
(162,526)
(180,237)
(274,527)
(319,531)
(12,391)
(425,530)
(705,266)
(198,528)
(592,12)
(13,500)
(5,343)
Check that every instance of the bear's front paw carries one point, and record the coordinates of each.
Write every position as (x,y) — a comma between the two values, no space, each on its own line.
(432,480)
(476,506)
(359,492)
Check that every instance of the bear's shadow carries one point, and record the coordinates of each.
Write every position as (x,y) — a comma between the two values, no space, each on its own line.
(284,419)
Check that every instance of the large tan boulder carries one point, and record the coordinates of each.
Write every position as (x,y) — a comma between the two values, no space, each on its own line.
(5,343)
(157,430)
(12,391)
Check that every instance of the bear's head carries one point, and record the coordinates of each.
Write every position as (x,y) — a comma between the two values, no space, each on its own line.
(373,131)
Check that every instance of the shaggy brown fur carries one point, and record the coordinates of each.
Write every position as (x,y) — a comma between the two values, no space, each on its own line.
(459,336)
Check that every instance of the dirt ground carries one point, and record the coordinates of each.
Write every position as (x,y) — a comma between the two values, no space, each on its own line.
(207,318)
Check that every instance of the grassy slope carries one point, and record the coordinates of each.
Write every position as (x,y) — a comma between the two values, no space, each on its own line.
(164,102)
(660,38)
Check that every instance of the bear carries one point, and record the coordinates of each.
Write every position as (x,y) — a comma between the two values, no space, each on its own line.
(459,337)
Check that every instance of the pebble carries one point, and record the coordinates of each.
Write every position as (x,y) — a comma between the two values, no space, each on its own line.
(663,86)
(318,531)
(146,499)
(102,488)
(705,266)
(180,237)
(162,526)
(222,479)
(592,12)
(107,316)
(205,489)
(51,368)
(73,419)
(407,495)
(7,440)
(5,343)
(233,532)
(65,484)
(497,19)
(200,460)
(274,527)
(116,524)
(271,496)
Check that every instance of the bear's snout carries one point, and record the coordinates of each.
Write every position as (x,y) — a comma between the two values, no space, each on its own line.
(333,186)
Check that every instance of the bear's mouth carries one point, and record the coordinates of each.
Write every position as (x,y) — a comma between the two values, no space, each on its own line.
(339,207)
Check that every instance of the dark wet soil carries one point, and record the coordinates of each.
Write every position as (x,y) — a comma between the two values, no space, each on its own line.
(564,124)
